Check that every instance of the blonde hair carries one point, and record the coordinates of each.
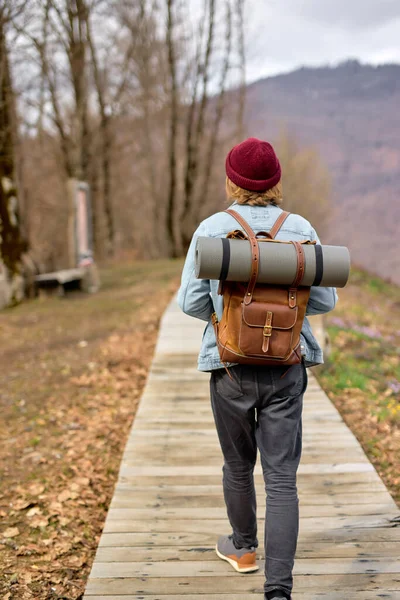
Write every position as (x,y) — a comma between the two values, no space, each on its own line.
(272,196)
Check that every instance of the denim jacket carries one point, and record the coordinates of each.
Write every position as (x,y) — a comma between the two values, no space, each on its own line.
(199,297)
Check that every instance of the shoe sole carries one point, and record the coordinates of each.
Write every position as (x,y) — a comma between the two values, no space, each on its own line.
(235,565)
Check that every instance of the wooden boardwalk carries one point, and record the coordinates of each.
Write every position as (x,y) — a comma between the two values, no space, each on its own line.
(167,510)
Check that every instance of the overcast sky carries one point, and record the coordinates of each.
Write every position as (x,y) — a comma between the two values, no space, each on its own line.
(285,34)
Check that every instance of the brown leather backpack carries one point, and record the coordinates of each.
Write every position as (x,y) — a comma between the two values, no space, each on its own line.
(261,323)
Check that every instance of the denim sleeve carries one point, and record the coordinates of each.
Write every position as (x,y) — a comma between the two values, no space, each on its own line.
(194,294)
(322,299)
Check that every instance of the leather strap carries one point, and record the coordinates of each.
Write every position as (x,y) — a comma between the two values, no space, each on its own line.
(267,331)
(215,324)
(299,274)
(300,264)
(278,224)
(244,224)
(255,251)
(255,254)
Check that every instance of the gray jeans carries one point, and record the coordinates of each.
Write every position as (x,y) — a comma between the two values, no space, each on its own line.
(261,407)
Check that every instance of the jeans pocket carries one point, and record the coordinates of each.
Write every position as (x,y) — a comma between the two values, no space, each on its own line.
(228,387)
(292,381)
(300,381)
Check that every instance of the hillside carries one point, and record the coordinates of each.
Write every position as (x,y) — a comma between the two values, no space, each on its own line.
(351,114)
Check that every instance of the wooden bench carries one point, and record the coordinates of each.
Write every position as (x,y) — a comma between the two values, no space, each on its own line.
(58,279)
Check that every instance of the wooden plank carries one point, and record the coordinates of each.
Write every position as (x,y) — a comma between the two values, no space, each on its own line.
(384,594)
(160,498)
(318,550)
(208,538)
(187,442)
(173,433)
(201,421)
(201,525)
(168,408)
(238,583)
(212,450)
(312,469)
(331,480)
(199,568)
(159,512)
(214,458)
(63,276)
(306,487)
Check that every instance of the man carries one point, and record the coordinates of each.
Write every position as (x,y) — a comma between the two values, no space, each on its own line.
(256,407)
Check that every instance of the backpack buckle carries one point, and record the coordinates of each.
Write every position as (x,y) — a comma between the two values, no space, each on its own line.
(267,330)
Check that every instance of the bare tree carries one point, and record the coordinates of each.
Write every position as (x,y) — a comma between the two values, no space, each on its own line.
(211,144)
(146,93)
(240,26)
(195,130)
(12,243)
(173,130)
(100,82)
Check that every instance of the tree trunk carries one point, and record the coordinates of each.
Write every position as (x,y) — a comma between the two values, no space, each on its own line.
(106,141)
(195,140)
(174,249)
(12,244)
(240,12)
(201,202)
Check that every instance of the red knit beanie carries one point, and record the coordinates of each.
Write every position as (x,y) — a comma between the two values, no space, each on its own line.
(253,165)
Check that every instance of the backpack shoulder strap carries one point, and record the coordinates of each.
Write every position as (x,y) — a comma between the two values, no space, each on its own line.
(244,224)
(255,251)
(255,254)
(278,224)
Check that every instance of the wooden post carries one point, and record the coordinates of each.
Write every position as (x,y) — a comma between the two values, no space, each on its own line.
(80,234)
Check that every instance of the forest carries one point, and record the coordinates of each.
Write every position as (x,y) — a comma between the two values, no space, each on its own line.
(141,100)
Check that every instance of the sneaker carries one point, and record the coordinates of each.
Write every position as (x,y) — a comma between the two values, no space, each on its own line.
(277,595)
(242,560)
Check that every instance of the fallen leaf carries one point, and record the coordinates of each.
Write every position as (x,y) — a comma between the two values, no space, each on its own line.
(84,481)
(39,521)
(27,578)
(65,495)
(22,504)
(35,510)
(36,488)
(55,507)
(10,532)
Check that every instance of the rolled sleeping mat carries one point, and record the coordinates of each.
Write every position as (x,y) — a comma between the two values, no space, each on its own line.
(230,260)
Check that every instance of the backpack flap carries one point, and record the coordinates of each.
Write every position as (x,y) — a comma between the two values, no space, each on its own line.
(267,329)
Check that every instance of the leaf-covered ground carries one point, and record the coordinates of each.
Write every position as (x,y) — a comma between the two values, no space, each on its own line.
(362,375)
(72,371)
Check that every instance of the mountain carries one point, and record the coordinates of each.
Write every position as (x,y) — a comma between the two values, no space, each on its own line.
(351,113)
